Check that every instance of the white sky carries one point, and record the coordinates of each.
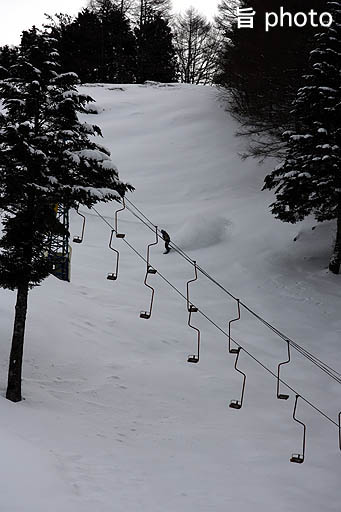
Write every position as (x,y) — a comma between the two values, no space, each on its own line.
(18,15)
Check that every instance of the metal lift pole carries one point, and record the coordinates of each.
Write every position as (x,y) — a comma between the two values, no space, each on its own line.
(59,249)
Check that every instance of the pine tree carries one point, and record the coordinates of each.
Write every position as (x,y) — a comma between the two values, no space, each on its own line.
(46,158)
(118,46)
(154,41)
(155,50)
(309,180)
(79,44)
(98,45)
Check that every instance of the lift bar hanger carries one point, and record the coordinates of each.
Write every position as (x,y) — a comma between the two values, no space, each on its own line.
(113,275)
(282,396)
(193,309)
(195,357)
(79,239)
(297,457)
(150,270)
(119,235)
(234,350)
(237,404)
(190,307)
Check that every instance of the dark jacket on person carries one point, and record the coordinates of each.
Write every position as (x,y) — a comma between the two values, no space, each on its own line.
(165,235)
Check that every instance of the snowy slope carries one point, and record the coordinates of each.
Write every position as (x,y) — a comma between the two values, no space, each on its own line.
(115,419)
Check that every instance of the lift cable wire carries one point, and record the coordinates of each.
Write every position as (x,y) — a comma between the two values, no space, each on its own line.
(222,330)
(315,360)
(334,374)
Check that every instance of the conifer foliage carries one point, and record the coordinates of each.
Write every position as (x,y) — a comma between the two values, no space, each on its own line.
(155,51)
(8,56)
(46,158)
(309,180)
(98,44)
(154,42)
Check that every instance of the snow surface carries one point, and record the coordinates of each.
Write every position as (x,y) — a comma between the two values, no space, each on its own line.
(114,418)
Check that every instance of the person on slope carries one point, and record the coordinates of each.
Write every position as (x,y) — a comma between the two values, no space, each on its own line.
(166,238)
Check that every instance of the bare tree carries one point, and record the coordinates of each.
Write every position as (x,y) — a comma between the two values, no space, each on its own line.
(227,14)
(147,9)
(197,44)
(138,11)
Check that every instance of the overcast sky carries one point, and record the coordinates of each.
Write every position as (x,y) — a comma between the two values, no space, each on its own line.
(18,15)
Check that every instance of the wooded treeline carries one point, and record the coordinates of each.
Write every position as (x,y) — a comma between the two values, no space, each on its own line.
(263,70)
(284,87)
(131,41)
(116,42)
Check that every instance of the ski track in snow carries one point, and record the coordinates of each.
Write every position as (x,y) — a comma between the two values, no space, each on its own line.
(114,418)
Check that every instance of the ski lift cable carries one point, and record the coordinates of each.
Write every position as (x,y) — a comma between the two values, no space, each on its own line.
(315,360)
(254,358)
(304,352)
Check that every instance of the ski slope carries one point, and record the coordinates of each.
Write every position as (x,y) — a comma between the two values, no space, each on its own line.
(114,418)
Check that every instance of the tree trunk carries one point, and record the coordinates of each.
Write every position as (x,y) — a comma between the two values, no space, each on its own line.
(15,361)
(335,260)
